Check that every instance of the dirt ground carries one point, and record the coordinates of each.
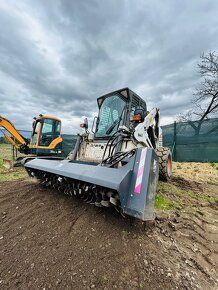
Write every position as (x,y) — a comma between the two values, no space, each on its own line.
(51,241)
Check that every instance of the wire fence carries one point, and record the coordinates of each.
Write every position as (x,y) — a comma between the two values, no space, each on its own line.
(193,141)
(11,152)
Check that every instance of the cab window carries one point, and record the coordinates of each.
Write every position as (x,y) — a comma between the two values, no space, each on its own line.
(110,116)
(50,130)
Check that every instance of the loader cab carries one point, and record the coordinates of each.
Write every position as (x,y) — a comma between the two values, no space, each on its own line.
(116,109)
(46,135)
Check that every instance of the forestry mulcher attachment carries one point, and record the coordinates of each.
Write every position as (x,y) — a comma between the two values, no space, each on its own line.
(117,163)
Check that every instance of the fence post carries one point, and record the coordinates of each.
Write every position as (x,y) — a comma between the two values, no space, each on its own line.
(174,137)
(13,155)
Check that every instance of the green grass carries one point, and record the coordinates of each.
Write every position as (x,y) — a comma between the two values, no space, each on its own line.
(214,165)
(6,151)
(161,202)
(170,196)
(1,165)
(15,173)
(167,187)
(211,199)
(2,145)
(18,173)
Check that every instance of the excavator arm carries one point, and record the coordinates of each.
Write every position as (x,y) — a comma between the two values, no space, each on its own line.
(22,144)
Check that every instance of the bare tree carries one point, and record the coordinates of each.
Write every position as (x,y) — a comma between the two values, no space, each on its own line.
(205,98)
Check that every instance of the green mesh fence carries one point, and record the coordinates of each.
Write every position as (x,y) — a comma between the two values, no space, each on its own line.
(192,141)
(68,144)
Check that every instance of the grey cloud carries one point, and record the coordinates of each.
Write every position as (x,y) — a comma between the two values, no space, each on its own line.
(2,91)
(151,47)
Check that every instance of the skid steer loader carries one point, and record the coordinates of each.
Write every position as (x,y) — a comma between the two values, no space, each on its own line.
(117,162)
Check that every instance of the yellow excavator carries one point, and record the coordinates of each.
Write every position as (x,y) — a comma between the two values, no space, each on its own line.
(45,139)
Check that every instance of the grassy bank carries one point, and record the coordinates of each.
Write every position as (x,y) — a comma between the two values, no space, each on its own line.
(9,174)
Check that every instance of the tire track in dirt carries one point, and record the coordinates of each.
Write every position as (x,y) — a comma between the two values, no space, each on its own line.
(189,232)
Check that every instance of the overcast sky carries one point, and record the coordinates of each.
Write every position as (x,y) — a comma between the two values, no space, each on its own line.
(57,57)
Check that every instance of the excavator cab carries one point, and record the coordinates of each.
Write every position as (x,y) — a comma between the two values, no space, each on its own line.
(45,138)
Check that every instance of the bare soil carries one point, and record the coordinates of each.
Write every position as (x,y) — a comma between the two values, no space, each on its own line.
(50,241)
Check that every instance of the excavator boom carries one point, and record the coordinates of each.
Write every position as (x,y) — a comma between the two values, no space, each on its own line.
(7,125)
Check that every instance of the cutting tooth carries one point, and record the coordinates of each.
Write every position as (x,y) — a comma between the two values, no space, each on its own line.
(93,199)
(89,198)
(98,201)
(105,203)
(113,200)
(98,204)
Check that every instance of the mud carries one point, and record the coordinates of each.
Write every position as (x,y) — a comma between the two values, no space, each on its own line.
(50,241)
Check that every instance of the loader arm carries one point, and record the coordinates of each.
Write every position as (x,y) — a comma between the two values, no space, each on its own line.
(141,133)
(9,127)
